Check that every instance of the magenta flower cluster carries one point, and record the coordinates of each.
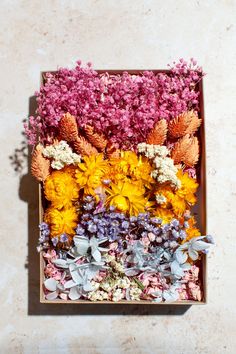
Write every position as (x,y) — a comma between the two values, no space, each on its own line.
(123,107)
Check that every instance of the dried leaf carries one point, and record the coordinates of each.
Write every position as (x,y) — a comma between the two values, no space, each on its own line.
(74,294)
(40,166)
(68,129)
(185,123)
(157,136)
(52,296)
(83,147)
(186,150)
(97,140)
(51,284)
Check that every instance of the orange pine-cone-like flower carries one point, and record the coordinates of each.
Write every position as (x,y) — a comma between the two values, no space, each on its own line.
(186,150)
(97,140)
(83,147)
(68,129)
(185,123)
(40,166)
(114,155)
(157,135)
(192,155)
(112,152)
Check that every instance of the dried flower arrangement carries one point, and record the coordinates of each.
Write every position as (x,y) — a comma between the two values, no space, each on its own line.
(117,156)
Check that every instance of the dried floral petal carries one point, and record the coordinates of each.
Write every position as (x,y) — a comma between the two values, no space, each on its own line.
(97,140)
(40,166)
(68,127)
(112,151)
(83,147)
(186,150)
(185,123)
(157,136)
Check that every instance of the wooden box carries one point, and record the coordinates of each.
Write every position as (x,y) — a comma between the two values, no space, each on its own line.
(199,210)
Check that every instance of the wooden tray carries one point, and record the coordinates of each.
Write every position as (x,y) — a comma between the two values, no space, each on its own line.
(199,209)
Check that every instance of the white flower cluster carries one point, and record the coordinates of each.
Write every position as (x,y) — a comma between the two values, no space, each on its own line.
(61,155)
(165,170)
(150,151)
(123,283)
(98,295)
(115,289)
(118,295)
(134,293)
(117,266)
(160,199)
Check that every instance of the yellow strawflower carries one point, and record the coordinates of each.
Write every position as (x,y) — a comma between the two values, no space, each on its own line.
(131,166)
(61,221)
(178,200)
(165,214)
(61,189)
(127,197)
(90,173)
(188,187)
(192,230)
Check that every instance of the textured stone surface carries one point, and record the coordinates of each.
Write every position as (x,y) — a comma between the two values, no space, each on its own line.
(39,35)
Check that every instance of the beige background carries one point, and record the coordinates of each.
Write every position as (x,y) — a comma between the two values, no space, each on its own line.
(39,35)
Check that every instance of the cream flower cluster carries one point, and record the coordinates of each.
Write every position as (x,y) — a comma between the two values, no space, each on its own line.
(160,199)
(134,293)
(150,151)
(61,155)
(118,267)
(118,295)
(98,295)
(116,289)
(165,170)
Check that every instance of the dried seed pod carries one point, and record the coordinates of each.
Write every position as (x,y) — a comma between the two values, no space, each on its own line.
(68,129)
(186,150)
(97,140)
(83,147)
(40,166)
(185,123)
(192,155)
(157,135)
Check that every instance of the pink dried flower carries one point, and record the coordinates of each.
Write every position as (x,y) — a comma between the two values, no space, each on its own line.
(191,172)
(190,288)
(51,271)
(123,107)
(153,283)
(50,255)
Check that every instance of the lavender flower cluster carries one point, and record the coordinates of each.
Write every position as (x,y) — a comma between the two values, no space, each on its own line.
(43,240)
(117,226)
